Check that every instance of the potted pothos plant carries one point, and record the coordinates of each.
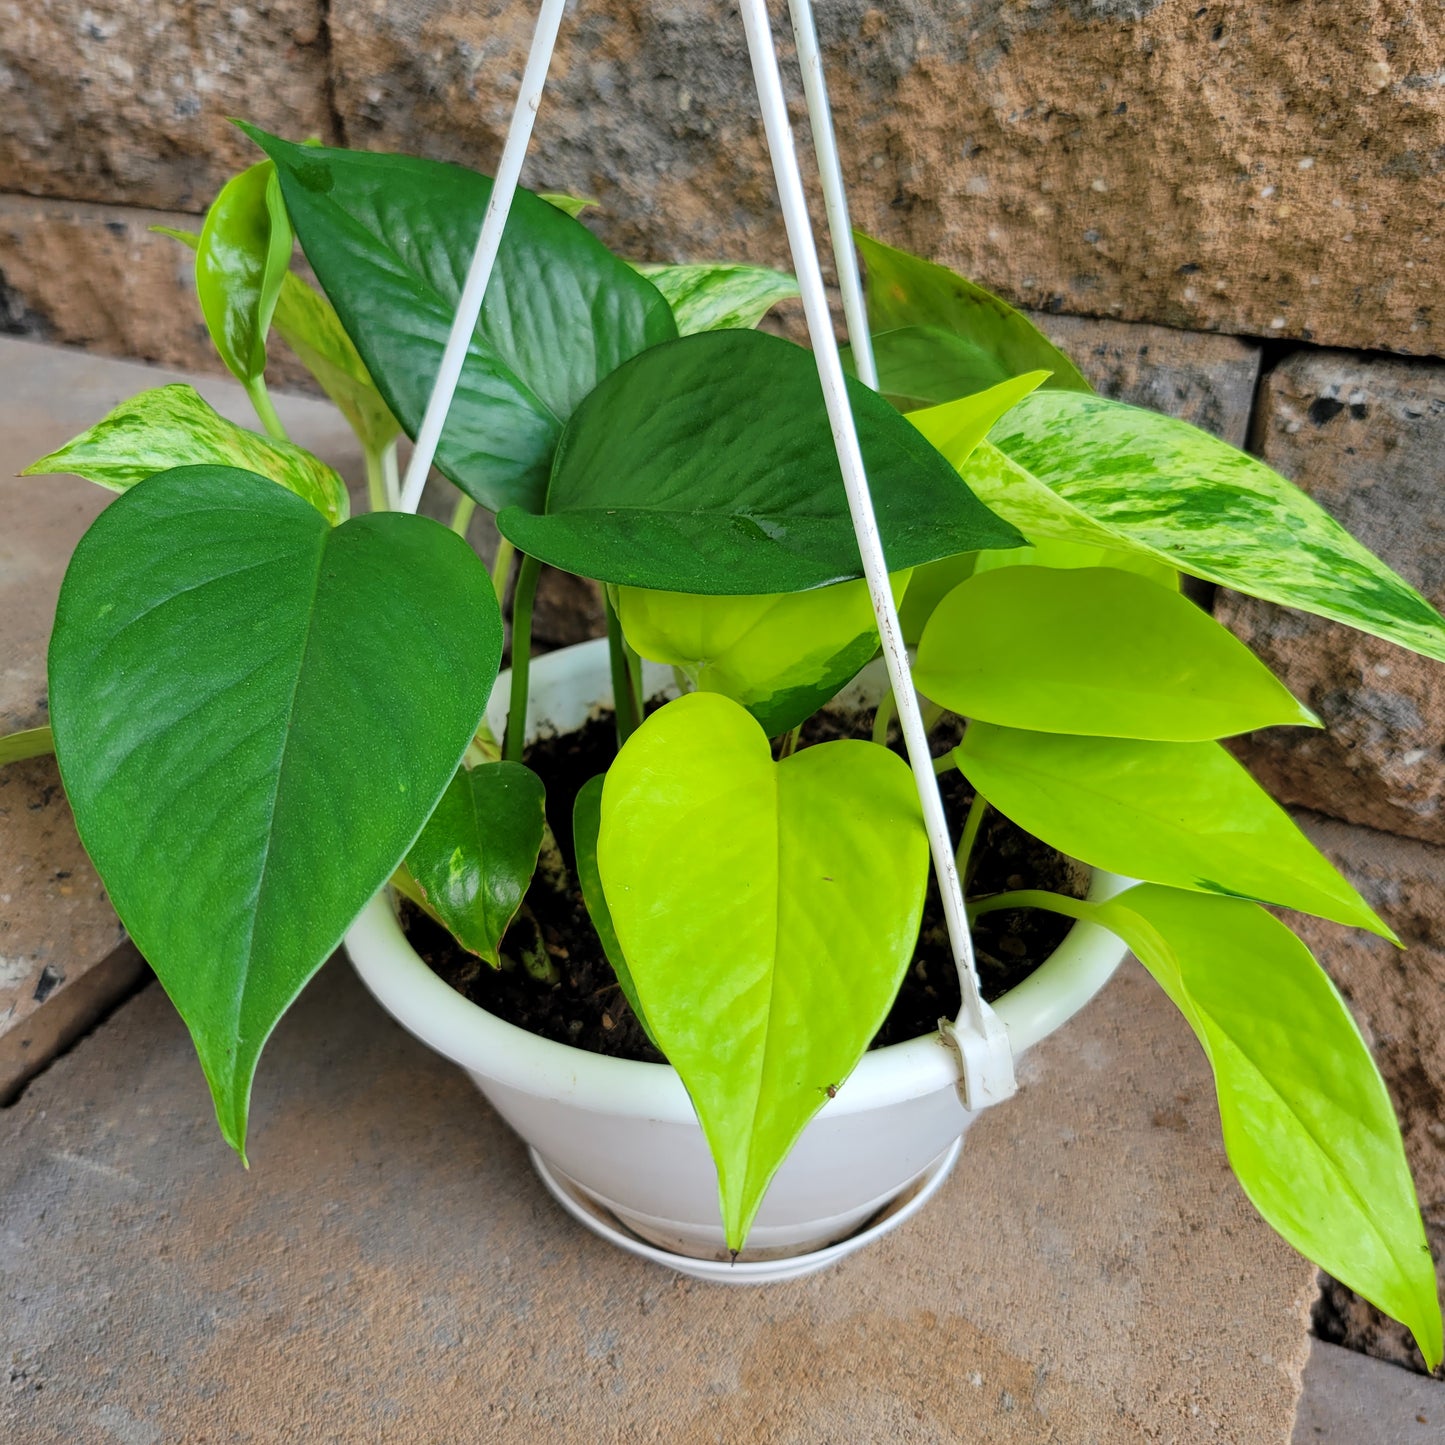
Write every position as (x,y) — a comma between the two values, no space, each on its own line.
(272,717)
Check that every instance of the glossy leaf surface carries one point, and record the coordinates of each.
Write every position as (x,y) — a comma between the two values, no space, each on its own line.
(1212,511)
(768,912)
(173,426)
(1049,552)
(390,239)
(1094,651)
(586,824)
(719,295)
(254,715)
(1183,814)
(707,465)
(999,342)
(781,657)
(931,584)
(478,851)
(1307,1122)
(241,257)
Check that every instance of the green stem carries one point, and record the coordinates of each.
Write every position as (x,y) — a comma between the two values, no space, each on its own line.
(932,712)
(391,473)
(261,400)
(375,480)
(462,516)
(963,859)
(634,681)
(883,718)
(790,743)
(516,736)
(621,683)
(943,765)
(502,568)
(1077,908)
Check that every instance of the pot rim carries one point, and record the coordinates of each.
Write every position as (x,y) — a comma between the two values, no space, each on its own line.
(510,1056)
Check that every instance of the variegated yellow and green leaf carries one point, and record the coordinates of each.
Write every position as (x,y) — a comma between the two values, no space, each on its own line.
(718,295)
(1041,514)
(172,426)
(781,657)
(1182,814)
(1202,506)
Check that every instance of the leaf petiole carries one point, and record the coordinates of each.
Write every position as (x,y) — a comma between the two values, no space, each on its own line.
(462,516)
(502,569)
(627,719)
(1076,908)
(265,409)
(376,496)
(964,857)
(516,735)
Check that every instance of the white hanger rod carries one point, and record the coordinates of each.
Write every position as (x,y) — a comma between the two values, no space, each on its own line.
(982,1042)
(835,194)
(499,206)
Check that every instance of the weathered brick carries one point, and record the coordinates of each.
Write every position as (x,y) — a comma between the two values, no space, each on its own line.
(129,100)
(1364,437)
(1398,997)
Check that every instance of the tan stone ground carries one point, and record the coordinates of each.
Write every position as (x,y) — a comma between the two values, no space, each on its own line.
(390,1270)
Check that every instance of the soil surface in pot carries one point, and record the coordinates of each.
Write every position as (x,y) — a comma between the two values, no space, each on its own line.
(585,1006)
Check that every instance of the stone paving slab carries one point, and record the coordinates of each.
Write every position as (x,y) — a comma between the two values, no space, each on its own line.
(1350,1399)
(390,1270)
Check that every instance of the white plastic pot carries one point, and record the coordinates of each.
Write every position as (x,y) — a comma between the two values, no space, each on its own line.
(617,1142)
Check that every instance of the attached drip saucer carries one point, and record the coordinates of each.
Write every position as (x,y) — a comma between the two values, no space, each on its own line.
(594,1215)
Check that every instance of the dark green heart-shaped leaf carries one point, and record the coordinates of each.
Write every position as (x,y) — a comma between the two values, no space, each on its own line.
(707,465)
(767,911)
(173,426)
(1210,510)
(242,255)
(1307,1121)
(390,239)
(1097,651)
(254,715)
(997,341)
(1183,814)
(478,851)
(719,295)
(586,824)
(781,657)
